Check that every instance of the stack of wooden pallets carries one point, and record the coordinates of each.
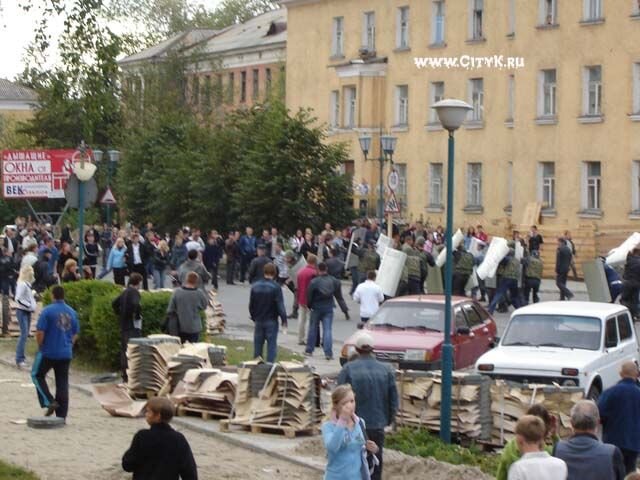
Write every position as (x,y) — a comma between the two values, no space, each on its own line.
(208,392)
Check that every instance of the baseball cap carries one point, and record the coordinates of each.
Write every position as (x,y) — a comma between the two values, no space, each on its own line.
(364,342)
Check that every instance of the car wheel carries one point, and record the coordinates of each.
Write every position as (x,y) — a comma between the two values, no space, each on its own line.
(594,393)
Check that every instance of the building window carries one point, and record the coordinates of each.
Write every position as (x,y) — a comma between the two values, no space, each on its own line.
(635,8)
(231,88)
(509,185)
(593,91)
(402,105)
(592,10)
(402,28)
(401,192)
(243,87)
(592,185)
(547,184)
(207,92)
(335,109)
(476,18)
(547,94)
(195,91)
(511,26)
(437,22)
(435,185)
(635,186)
(476,93)
(350,107)
(255,89)
(512,97)
(636,89)
(548,12)
(474,185)
(369,31)
(268,79)
(219,93)
(337,48)
(436,92)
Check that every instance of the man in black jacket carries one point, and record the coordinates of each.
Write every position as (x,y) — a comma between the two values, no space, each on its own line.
(256,268)
(127,307)
(631,282)
(266,304)
(137,258)
(211,256)
(563,265)
(160,453)
(7,271)
(320,294)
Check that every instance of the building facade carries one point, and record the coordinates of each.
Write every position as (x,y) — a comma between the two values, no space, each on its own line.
(557,123)
(17,101)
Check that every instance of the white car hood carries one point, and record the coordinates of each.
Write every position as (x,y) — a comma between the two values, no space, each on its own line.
(545,359)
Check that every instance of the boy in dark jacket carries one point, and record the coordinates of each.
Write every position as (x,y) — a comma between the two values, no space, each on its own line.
(160,453)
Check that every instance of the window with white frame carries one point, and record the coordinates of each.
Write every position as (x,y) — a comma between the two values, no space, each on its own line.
(547,184)
(474,184)
(635,8)
(548,12)
(436,93)
(437,22)
(402,28)
(635,186)
(436,179)
(592,10)
(593,90)
(511,19)
(636,88)
(511,86)
(337,45)
(509,184)
(401,192)
(335,109)
(349,107)
(476,94)
(547,94)
(369,31)
(476,18)
(402,105)
(592,185)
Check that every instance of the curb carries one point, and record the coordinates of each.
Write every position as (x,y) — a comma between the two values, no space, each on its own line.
(220,436)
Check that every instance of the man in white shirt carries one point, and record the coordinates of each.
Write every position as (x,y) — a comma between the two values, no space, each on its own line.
(195,242)
(369,295)
(535,463)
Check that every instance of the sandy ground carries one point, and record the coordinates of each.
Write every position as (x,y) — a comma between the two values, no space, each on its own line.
(92,443)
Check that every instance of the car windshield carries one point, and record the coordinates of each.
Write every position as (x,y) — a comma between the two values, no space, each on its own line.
(415,315)
(566,331)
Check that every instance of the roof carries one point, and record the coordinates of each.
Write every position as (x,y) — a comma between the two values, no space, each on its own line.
(585,309)
(14,91)
(179,41)
(438,299)
(270,28)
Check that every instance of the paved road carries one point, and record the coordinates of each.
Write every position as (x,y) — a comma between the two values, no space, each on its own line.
(236,298)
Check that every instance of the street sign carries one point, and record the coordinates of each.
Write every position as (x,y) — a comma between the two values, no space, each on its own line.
(108,198)
(71,193)
(393,180)
(392,205)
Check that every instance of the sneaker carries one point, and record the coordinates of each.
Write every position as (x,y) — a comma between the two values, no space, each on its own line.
(327,357)
(307,354)
(53,406)
(302,343)
(23,365)
(292,315)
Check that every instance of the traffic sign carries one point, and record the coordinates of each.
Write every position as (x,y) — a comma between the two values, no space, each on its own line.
(392,205)
(393,180)
(72,192)
(108,198)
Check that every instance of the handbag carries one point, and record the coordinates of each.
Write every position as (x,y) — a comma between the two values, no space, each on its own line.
(371,460)
(171,325)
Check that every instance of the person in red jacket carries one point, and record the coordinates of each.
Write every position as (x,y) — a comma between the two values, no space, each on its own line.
(304,279)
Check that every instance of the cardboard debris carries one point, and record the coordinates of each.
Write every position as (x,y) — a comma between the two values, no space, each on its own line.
(195,355)
(115,399)
(215,315)
(207,389)
(148,358)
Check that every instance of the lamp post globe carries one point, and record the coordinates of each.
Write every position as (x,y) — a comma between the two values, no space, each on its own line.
(452,113)
(365,144)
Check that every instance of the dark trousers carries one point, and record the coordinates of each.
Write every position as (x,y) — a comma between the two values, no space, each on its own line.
(142,270)
(414,286)
(119,275)
(506,285)
(266,332)
(630,460)
(6,311)
(629,296)
(459,283)
(41,367)
(190,337)
(231,270)
(245,260)
(531,284)
(355,279)
(213,271)
(125,336)
(377,436)
(561,283)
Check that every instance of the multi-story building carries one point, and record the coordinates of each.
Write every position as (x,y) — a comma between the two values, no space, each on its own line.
(17,101)
(559,125)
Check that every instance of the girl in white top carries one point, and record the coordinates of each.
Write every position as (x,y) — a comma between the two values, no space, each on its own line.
(26,305)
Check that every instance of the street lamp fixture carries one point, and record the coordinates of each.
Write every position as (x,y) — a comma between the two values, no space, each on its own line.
(387,147)
(452,114)
(84,169)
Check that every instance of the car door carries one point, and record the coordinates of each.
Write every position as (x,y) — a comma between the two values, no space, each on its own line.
(625,333)
(463,346)
(612,354)
(479,332)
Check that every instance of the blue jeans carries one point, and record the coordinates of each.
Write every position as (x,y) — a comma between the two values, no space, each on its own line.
(158,278)
(266,331)
(24,319)
(322,316)
(506,285)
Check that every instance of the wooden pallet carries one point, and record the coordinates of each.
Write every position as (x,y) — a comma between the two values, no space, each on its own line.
(289,432)
(184,411)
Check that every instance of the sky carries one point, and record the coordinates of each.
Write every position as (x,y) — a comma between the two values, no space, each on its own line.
(17,30)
